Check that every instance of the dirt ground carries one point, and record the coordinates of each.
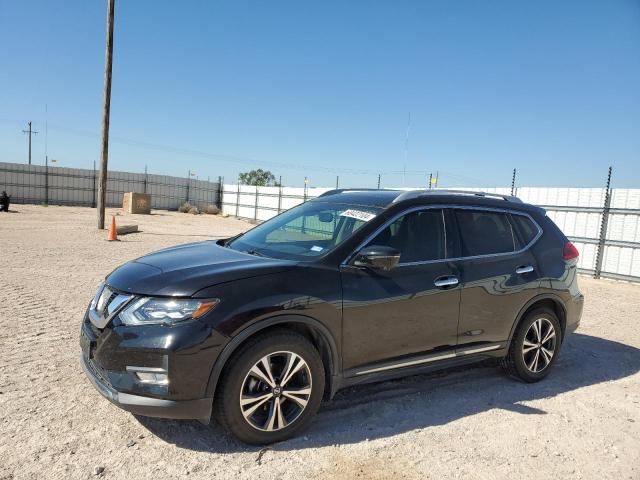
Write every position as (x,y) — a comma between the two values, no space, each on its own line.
(583,421)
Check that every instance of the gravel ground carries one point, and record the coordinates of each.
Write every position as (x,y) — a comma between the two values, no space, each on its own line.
(583,421)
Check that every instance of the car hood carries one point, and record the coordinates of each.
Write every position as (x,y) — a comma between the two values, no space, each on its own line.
(185,269)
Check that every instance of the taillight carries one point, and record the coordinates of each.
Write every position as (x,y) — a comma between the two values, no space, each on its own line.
(570,251)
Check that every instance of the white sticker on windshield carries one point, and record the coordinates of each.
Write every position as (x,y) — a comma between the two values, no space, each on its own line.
(316,248)
(358,215)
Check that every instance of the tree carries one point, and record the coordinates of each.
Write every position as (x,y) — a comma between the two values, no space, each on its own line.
(259,177)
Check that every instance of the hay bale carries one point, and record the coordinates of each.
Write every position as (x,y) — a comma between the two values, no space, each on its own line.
(211,210)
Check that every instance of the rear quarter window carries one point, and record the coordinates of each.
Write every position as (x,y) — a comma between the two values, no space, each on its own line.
(525,229)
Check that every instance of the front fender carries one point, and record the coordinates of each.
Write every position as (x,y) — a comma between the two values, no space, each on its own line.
(260,325)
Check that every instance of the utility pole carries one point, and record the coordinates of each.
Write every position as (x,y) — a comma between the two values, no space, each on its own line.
(513,182)
(29,132)
(106,108)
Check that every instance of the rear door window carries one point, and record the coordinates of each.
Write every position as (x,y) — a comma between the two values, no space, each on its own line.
(484,232)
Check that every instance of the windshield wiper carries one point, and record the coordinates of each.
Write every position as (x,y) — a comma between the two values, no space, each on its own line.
(255,252)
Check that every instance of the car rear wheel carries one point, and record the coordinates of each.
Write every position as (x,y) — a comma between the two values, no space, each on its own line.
(272,388)
(535,346)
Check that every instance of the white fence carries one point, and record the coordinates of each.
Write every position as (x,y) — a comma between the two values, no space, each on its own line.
(77,186)
(577,211)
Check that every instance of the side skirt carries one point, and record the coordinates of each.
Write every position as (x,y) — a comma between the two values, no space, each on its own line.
(420,365)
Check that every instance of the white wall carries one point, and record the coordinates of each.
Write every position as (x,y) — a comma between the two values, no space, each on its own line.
(585,225)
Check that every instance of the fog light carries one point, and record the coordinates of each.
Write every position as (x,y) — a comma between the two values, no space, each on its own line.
(148,377)
(156,376)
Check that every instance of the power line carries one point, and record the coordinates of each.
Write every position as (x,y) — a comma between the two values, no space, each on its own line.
(30,132)
(255,162)
(228,158)
(406,151)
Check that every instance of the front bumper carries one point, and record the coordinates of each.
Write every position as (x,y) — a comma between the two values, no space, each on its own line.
(148,406)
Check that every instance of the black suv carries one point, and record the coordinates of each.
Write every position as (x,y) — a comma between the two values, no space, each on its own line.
(354,286)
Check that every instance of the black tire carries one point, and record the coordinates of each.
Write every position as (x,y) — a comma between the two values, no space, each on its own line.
(236,378)
(520,359)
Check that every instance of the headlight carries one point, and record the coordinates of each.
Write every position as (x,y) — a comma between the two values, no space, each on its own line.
(167,311)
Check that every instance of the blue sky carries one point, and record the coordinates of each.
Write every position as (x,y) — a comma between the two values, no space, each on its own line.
(325,88)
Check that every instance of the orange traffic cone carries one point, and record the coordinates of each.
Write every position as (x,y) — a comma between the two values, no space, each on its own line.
(113,231)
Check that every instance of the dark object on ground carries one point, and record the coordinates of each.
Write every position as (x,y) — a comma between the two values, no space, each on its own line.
(5,201)
(211,210)
(352,287)
(124,229)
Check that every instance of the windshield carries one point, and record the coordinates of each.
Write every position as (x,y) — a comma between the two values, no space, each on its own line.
(306,231)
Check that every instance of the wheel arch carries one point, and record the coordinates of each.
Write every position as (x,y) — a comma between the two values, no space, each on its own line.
(547,300)
(312,329)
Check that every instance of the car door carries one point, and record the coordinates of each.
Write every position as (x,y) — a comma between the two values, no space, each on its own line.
(498,273)
(402,313)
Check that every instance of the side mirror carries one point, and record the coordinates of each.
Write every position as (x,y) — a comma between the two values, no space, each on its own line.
(325,217)
(377,258)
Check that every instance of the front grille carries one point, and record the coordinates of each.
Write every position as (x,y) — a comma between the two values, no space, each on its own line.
(95,330)
(98,372)
(105,305)
(106,297)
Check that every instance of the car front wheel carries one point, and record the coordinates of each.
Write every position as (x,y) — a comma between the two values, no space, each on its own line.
(272,388)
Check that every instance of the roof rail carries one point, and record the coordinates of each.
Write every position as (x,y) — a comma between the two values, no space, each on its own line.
(341,190)
(419,193)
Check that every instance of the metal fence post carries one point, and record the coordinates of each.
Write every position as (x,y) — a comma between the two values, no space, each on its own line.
(255,208)
(93,203)
(238,200)
(188,182)
(603,228)
(379,177)
(279,195)
(220,192)
(46,180)
(337,182)
(145,179)
(304,199)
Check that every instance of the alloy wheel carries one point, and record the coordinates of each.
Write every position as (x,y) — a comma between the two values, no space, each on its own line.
(539,345)
(275,391)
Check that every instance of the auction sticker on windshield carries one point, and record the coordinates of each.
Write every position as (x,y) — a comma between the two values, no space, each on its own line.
(358,214)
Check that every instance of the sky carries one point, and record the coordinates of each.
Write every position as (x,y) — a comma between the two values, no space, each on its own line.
(465,88)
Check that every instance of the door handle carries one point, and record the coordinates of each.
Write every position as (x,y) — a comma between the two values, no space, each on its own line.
(524,269)
(445,281)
